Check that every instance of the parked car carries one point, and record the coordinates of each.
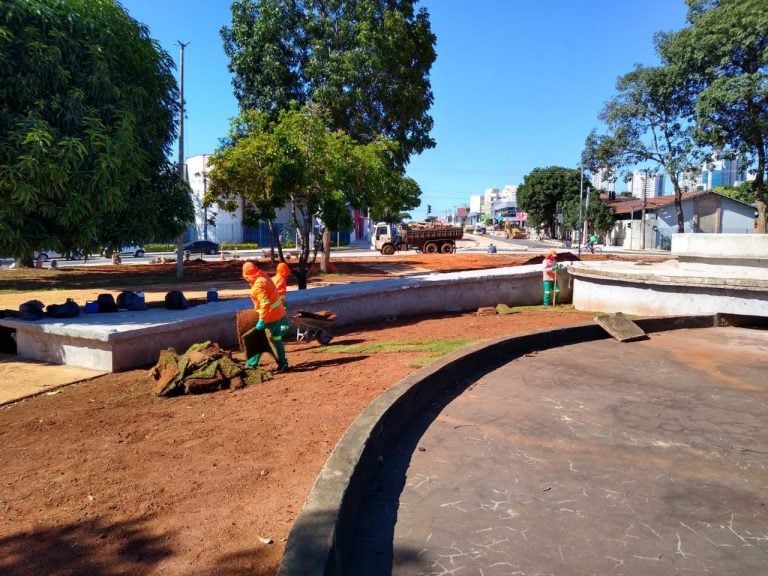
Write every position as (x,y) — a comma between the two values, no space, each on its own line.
(479,229)
(45,255)
(201,247)
(131,250)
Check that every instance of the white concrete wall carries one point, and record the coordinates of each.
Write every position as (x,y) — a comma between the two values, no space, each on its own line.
(126,340)
(669,288)
(721,245)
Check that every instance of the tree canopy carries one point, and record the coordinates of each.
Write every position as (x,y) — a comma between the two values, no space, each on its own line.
(725,49)
(298,161)
(87,117)
(366,63)
(649,121)
(546,193)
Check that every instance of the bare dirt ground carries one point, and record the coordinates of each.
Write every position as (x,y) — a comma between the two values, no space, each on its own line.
(102,477)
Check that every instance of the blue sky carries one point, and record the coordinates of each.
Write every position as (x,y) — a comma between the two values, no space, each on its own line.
(518,84)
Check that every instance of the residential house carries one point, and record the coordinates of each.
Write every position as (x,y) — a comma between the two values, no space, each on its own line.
(703,211)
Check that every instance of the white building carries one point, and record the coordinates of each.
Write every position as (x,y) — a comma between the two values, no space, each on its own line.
(492,202)
(604,180)
(228,226)
(642,183)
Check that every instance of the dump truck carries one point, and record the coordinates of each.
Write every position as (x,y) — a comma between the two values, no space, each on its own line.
(422,237)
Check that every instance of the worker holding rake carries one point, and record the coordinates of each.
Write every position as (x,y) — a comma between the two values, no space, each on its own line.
(550,277)
(269,305)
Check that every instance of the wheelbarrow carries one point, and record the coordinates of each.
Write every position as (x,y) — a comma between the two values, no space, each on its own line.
(313,326)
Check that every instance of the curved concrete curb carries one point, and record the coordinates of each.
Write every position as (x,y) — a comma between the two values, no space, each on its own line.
(317,544)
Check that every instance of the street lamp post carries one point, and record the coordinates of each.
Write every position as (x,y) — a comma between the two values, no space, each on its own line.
(182,173)
(205,192)
(581,195)
(642,213)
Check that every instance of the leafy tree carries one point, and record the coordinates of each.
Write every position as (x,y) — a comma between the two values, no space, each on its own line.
(297,160)
(87,118)
(743,192)
(366,63)
(648,122)
(594,212)
(547,192)
(725,48)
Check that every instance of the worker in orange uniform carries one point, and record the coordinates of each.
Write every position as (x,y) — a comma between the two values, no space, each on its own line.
(281,281)
(269,304)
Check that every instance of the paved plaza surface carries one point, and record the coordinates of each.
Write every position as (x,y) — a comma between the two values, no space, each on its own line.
(642,458)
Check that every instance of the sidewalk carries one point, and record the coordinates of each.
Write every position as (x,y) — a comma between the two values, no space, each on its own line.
(22,378)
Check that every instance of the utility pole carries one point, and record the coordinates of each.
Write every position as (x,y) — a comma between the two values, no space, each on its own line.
(182,174)
(581,195)
(205,192)
(642,214)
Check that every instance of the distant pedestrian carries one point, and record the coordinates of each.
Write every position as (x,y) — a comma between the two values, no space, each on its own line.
(491,248)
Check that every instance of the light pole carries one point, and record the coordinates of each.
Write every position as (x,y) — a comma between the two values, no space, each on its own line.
(180,239)
(205,192)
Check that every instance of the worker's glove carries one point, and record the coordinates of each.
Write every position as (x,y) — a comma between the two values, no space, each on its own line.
(557,267)
(260,325)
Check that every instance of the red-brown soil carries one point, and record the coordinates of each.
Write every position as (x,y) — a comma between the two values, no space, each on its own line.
(101,477)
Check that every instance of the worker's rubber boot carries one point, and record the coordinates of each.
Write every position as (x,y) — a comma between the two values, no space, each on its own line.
(253,361)
(282,361)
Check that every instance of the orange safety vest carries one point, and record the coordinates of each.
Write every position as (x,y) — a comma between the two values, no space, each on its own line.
(264,295)
(281,279)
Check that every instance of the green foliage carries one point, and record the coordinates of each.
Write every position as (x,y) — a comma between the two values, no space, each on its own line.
(298,161)
(433,349)
(649,122)
(366,63)
(743,192)
(87,118)
(599,216)
(545,190)
(725,50)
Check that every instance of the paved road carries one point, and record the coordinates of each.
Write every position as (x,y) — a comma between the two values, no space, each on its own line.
(470,243)
(645,458)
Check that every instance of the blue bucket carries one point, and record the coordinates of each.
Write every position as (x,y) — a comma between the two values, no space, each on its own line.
(212,296)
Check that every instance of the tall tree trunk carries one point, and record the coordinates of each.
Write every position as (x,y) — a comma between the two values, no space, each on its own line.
(678,205)
(762,217)
(760,192)
(326,258)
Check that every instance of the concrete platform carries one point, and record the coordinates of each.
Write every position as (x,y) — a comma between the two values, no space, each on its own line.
(113,342)
(21,379)
(559,452)
(671,287)
(125,340)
